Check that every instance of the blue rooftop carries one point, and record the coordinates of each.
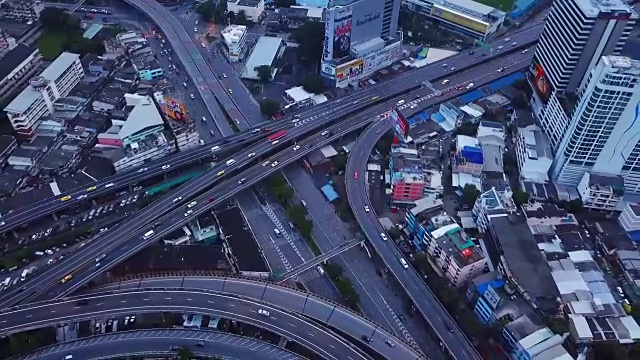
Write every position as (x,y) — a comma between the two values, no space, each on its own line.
(504,82)
(329,192)
(472,96)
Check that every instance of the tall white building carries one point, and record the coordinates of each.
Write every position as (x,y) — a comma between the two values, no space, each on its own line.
(604,133)
(235,41)
(37,99)
(576,35)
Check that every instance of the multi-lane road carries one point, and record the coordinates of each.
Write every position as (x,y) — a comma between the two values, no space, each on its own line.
(235,299)
(358,197)
(325,113)
(161,342)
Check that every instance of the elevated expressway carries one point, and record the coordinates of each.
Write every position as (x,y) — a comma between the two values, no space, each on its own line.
(126,239)
(231,298)
(160,342)
(311,119)
(358,196)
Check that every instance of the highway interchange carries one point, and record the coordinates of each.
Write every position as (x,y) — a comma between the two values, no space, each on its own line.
(311,120)
(321,114)
(161,342)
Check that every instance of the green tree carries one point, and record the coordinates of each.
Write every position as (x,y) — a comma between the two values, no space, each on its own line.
(241,18)
(339,161)
(509,163)
(58,20)
(520,197)
(314,84)
(84,46)
(185,353)
(269,107)
(284,3)
(310,36)
(264,73)
(283,194)
(395,233)
(207,10)
(469,194)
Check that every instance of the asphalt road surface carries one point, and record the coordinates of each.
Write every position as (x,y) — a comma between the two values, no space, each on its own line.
(453,338)
(321,113)
(286,323)
(160,342)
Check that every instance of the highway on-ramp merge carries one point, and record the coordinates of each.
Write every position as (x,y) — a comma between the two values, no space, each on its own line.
(284,307)
(159,342)
(357,192)
(324,114)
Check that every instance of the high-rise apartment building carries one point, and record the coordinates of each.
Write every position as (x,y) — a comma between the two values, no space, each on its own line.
(56,81)
(361,36)
(604,133)
(577,34)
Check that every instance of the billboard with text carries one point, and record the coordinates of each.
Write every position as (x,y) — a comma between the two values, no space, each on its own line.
(338,31)
(349,70)
(175,110)
(400,124)
(366,20)
(541,83)
(459,19)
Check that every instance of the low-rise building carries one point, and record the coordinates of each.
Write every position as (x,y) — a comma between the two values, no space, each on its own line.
(253,9)
(56,81)
(266,52)
(601,191)
(407,175)
(19,64)
(629,218)
(21,10)
(235,42)
(492,203)
(533,153)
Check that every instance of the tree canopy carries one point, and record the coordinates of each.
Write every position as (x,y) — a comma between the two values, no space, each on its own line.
(211,10)
(58,20)
(310,36)
(520,197)
(469,194)
(314,84)
(264,73)
(241,18)
(269,107)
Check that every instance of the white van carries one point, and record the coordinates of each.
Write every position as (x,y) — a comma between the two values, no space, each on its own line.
(148,234)
(39,253)
(400,102)
(470,86)
(277,232)
(230,162)
(404,263)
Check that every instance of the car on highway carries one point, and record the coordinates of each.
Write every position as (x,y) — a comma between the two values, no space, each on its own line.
(500,47)
(297,147)
(458,87)
(109,185)
(404,264)
(212,199)
(384,236)
(92,188)
(211,132)
(324,133)
(389,343)
(195,29)
(65,198)
(189,212)
(220,173)
(525,51)
(366,209)
(276,142)
(355,175)
(251,155)
(66,279)
(191,96)
(179,198)
(367,339)
(230,162)
(400,102)
(142,170)
(274,164)
(470,86)
(83,196)
(224,75)
(215,148)
(453,68)
(230,91)
(204,119)
(445,82)
(263,312)
(266,163)
(192,204)
(203,45)
(165,167)
(241,181)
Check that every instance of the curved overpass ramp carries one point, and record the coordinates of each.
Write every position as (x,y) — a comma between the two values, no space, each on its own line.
(233,298)
(159,343)
(424,300)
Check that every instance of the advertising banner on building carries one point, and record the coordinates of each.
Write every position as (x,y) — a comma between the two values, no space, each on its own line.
(327,43)
(175,110)
(328,69)
(459,19)
(541,83)
(366,22)
(341,31)
(400,124)
(349,70)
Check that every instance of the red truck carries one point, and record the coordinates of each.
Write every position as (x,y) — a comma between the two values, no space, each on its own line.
(277,135)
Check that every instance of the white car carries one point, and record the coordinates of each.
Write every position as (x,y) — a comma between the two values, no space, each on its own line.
(109,185)
(324,133)
(297,147)
(384,236)
(501,69)
(204,119)
(275,142)
(191,96)
(366,208)
(274,164)
(224,75)
(82,197)
(525,51)
(251,155)
(263,312)
(189,212)
(179,198)
(195,29)
(142,170)
(192,204)
(215,148)
(404,264)
(165,167)
(266,163)
(203,45)
(241,181)
(445,81)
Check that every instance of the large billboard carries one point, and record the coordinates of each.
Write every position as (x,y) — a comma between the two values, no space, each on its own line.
(349,70)
(541,83)
(459,19)
(337,33)
(175,110)
(400,124)
(366,23)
